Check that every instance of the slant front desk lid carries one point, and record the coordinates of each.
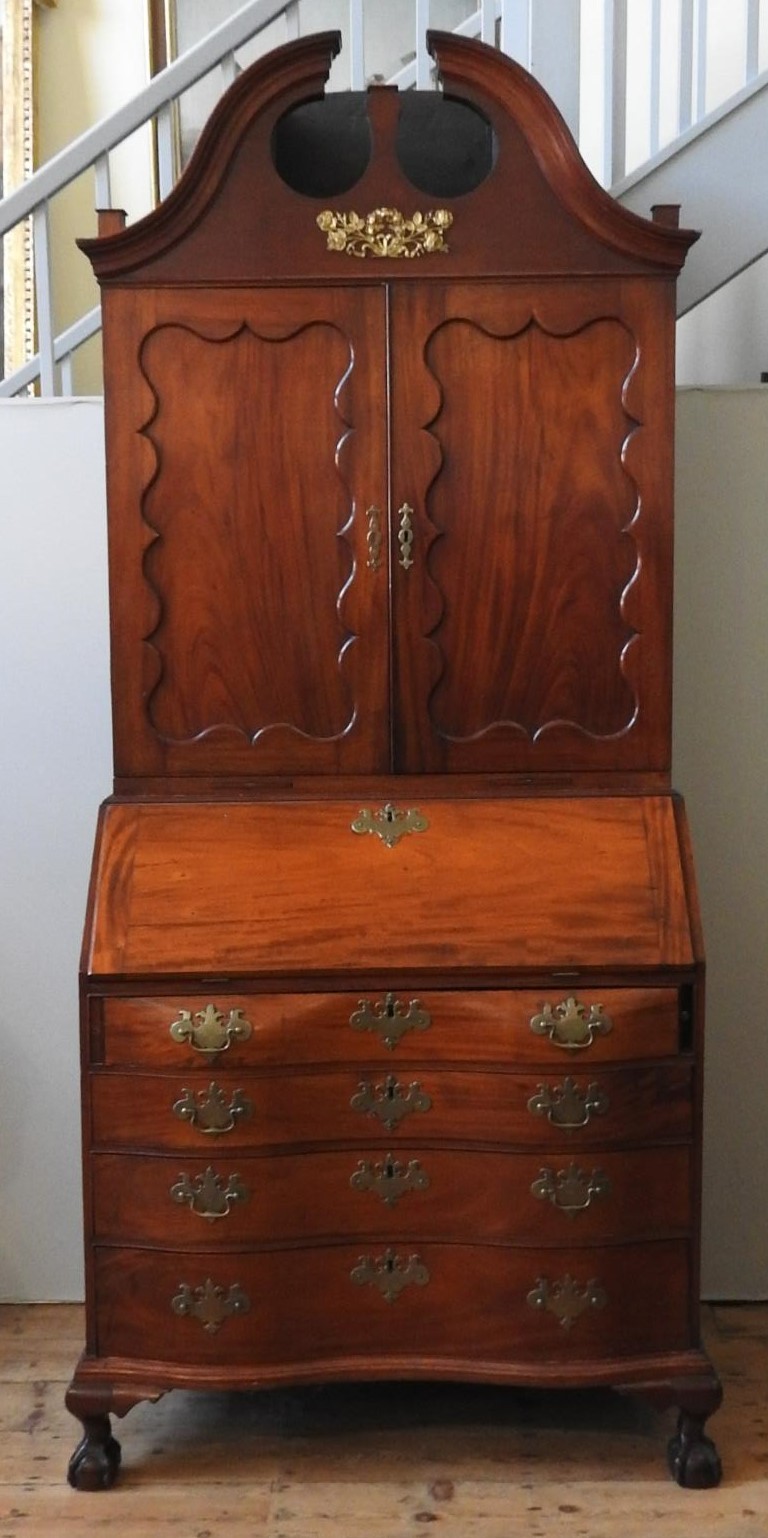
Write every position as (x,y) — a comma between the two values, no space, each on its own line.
(438,887)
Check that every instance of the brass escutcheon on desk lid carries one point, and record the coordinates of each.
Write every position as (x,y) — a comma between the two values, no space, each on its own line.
(390,1101)
(389,1179)
(570,1190)
(210,1304)
(566,1299)
(208,1195)
(389,824)
(390,1272)
(390,1018)
(568,1106)
(209,1030)
(569,1025)
(208,1110)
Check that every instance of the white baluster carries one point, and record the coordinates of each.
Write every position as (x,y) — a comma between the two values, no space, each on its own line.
(488,21)
(166,150)
(357,46)
(753,39)
(516,30)
(685,93)
(655,84)
(103,182)
(423,61)
(701,59)
(45,332)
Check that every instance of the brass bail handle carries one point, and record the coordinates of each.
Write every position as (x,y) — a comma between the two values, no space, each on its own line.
(405,535)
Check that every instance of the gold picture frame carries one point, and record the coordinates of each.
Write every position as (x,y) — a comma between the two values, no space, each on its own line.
(17,151)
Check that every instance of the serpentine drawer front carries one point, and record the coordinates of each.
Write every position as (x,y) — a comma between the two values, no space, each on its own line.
(392,979)
(424,1192)
(279,1030)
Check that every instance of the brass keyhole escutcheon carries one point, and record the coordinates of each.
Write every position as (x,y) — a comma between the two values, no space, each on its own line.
(405,535)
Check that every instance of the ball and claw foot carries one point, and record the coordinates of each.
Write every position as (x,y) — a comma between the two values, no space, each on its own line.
(693,1458)
(96,1459)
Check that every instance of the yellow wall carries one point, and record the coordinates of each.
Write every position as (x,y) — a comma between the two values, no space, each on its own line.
(91,56)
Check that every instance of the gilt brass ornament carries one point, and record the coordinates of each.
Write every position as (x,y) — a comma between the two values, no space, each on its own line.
(210,1304)
(571,1189)
(569,1025)
(568,1106)
(386,232)
(389,1179)
(209,1030)
(566,1299)
(208,1195)
(373,538)
(389,824)
(390,1101)
(208,1110)
(390,1018)
(391,1273)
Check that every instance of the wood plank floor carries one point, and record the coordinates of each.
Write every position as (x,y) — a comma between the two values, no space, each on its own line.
(378,1461)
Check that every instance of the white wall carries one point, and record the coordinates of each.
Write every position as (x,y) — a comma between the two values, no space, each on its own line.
(55,768)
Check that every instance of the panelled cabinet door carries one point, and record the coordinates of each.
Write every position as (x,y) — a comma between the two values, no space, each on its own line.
(250,573)
(531,621)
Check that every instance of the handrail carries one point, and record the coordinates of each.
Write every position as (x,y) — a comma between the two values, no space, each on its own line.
(163,89)
(557,46)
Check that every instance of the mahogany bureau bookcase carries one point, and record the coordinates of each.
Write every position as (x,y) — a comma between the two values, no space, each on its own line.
(392,980)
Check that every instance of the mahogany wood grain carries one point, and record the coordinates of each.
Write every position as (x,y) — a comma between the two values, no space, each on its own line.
(227,889)
(306,1308)
(310,1197)
(305,1028)
(642,1105)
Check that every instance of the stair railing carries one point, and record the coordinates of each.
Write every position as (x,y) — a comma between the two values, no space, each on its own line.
(588,57)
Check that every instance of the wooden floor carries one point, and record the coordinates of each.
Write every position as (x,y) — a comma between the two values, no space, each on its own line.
(378,1461)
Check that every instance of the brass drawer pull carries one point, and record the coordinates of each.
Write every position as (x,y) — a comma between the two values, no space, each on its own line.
(209,1030)
(373,538)
(567,1105)
(390,1179)
(571,1190)
(405,536)
(391,1273)
(565,1299)
(208,1110)
(568,1025)
(390,1101)
(210,1304)
(390,1018)
(208,1195)
(389,824)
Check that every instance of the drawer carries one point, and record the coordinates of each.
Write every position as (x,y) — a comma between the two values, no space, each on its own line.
(275,1030)
(618,1106)
(403,1310)
(411,1193)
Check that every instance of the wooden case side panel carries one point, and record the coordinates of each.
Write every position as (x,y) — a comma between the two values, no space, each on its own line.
(244,440)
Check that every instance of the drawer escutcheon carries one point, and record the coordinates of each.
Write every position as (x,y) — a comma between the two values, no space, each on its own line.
(390,1101)
(390,1018)
(209,1030)
(391,1273)
(389,1179)
(566,1299)
(210,1304)
(568,1106)
(570,1190)
(568,1025)
(208,1110)
(208,1195)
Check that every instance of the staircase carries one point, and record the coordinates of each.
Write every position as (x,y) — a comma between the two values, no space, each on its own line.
(638,81)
